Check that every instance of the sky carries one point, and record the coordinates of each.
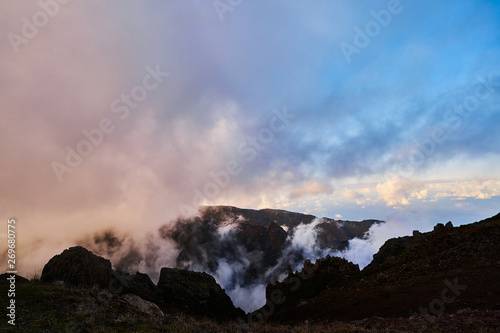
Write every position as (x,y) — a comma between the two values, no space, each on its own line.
(127,114)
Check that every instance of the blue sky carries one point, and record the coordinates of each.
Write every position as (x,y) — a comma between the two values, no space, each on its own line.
(424,93)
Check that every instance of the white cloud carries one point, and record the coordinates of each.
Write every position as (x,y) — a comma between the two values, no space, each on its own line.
(310,187)
(467,188)
(355,195)
(398,191)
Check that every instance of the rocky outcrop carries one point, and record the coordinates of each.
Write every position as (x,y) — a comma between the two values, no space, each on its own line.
(197,293)
(274,242)
(437,273)
(390,253)
(297,288)
(138,284)
(181,290)
(258,237)
(255,217)
(79,267)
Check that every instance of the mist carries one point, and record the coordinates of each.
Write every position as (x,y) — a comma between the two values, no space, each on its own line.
(361,250)
(243,270)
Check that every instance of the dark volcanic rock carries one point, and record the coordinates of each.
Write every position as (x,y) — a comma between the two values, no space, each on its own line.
(297,288)
(256,217)
(258,238)
(438,227)
(408,277)
(274,243)
(78,266)
(138,284)
(198,293)
(389,253)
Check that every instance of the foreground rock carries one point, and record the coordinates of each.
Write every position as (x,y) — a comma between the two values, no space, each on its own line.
(197,292)
(138,284)
(297,288)
(78,267)
(177,290)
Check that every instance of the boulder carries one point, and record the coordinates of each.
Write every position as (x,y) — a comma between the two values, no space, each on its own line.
(198,293)
(138,284)
(145,308)
(79,267)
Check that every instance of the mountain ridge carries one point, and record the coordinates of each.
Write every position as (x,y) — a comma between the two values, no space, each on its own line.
(408,277)
(443,280)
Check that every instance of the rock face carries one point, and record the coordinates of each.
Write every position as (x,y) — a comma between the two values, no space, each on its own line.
(389,253)
(407,278)
(197,292)
(138,284)
(259,237)
(297,288)
(79,267)
(181,290)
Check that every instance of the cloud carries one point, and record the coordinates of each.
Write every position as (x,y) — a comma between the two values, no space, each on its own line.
(361,251)
(352,194)
(397,190)
(310,188)
(226,78)
(466,188)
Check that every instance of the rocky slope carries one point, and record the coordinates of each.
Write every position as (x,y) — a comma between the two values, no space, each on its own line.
(333,233)
(258,240)
(446,280)
(177,290)
(443,271)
